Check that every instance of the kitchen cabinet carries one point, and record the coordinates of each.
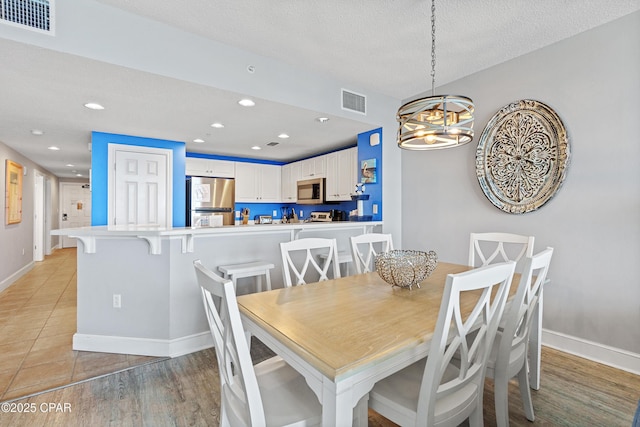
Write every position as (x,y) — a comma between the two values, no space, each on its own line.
(209,167)
(314,167)
(341,174)
(256,182)
(291,174)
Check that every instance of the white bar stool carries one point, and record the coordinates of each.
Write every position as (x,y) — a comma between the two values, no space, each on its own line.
(344,259)
(255,269)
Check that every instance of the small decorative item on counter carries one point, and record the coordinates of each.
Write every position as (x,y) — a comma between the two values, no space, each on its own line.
(405,268)
(245,215)
(359,196)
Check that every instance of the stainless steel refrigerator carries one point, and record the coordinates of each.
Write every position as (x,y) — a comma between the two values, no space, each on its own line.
(209,197)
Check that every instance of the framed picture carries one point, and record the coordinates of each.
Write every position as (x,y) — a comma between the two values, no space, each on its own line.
(368,173)
(13,193)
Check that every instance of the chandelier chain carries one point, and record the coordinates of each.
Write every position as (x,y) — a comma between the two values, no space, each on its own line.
(433,47)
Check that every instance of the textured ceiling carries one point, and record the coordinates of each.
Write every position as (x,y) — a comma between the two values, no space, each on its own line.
(383,46)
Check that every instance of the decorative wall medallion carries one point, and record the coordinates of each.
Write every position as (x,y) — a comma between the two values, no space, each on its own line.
(522,156)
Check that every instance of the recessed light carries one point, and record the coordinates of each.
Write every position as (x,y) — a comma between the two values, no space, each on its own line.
(94,106)
(54,148)
(37,132)
(198,140)
(69,165)
(78,174)
(255,147)
(246,102)
(323,119)
(217,125)
(283,136)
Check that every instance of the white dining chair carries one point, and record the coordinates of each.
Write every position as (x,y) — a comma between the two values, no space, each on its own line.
(365,248)
(488,248)
(508,357)
(301,257)
(435,391)
(270,393)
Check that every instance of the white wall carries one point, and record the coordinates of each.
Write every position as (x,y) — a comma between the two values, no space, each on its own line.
(16,238)
(592,81)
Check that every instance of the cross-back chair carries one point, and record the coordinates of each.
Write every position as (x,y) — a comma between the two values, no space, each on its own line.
(508,358)
(488,248)
(301,258)
(270,393)
(365,247)
(441,391)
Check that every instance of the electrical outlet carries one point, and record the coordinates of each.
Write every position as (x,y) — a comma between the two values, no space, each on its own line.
(275,213)
(301,213)
(117,301)
(375,208)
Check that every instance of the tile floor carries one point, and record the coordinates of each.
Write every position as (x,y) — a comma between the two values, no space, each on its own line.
(37,323)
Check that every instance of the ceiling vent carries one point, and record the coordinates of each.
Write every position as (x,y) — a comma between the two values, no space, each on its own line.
(272,144)
(354,102)
(32,14)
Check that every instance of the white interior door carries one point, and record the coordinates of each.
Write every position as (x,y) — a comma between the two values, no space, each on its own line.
(75,209)
(140,192)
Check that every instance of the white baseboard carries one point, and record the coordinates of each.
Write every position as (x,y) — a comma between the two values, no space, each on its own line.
(143,346)
(15,276)
(611,356)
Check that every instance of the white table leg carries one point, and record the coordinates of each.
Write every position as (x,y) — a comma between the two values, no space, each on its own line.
(337,411)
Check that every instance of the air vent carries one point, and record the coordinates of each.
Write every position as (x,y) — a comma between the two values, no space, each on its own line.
(272,144)
(32,14)
(354,102)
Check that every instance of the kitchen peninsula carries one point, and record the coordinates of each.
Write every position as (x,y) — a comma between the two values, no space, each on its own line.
(137,291)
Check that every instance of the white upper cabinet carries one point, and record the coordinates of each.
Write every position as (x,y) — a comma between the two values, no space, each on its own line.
(341,174)
(314,167)
(256,182)
(291,174)
(209,167)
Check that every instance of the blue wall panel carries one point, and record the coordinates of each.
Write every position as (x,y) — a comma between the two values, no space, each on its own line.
(365,152)
(99,173)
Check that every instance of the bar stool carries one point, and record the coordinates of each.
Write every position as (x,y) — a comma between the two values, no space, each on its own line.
(255,269)
(344,259)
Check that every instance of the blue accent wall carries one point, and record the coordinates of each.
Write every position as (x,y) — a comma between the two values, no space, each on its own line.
(366,152)
(99,173)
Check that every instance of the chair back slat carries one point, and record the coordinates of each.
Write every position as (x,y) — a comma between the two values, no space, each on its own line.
(311,265)
(489,248)
(363,249)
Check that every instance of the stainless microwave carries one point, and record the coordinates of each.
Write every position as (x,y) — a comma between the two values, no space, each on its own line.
(311,191)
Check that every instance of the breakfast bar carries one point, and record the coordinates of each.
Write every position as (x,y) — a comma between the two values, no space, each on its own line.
(137,292)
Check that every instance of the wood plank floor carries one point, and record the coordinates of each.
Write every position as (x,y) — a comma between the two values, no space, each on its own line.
(185,391)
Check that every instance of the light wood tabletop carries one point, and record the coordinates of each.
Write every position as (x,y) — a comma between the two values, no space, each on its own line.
(345,334)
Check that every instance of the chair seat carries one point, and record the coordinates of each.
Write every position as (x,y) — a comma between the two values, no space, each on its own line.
(286,397)
(400,392)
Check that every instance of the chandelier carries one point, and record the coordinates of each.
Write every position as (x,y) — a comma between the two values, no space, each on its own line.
(436,121)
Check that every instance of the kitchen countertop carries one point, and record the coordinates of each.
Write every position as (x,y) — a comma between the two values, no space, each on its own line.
(154,235)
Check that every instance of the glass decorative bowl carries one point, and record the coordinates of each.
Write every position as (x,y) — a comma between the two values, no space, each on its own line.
(405,268)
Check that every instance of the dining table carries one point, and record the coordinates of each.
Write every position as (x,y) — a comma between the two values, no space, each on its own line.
(345,334)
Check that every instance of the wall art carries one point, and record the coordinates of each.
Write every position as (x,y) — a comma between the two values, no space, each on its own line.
(522,156)
(368,173)
(13,193)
